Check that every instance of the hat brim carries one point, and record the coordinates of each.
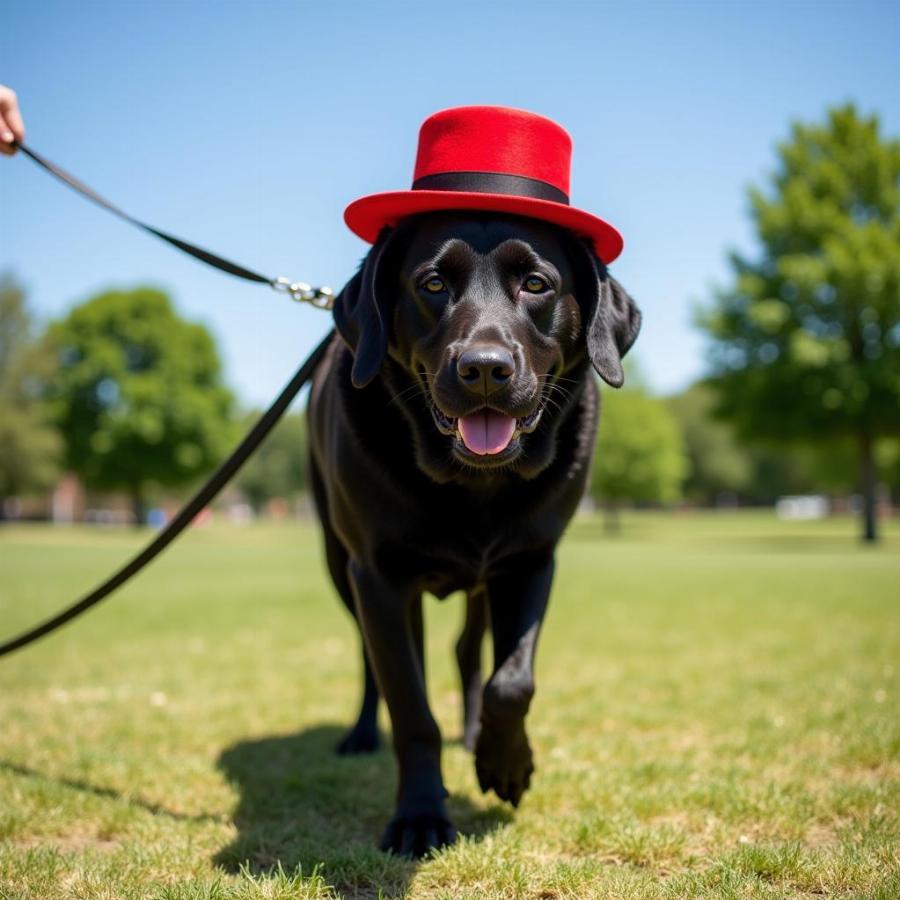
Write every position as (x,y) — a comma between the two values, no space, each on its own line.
(367,216)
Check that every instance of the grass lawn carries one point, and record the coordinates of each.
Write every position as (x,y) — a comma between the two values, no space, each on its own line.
(716,716)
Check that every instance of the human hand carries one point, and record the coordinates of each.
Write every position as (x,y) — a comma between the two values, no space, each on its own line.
(11,124)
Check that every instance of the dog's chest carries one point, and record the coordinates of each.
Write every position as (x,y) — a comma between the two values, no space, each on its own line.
(458,547)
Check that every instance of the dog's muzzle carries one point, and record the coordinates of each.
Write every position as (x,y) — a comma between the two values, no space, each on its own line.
(487,431)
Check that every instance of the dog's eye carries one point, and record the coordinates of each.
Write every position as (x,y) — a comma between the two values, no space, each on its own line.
(434,285)
(534,284)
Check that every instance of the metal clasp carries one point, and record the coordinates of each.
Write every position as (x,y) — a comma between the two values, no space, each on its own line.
(320,297)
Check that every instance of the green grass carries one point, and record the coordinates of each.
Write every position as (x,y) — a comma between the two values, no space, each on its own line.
(716,717)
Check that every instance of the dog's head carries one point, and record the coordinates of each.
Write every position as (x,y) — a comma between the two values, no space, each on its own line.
(489,320)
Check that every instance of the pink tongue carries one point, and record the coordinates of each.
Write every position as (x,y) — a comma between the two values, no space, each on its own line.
(486,431)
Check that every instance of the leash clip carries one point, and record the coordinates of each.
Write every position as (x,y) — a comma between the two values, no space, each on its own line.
(319,297)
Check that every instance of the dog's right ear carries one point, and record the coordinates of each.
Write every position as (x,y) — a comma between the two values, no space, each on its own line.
(360,315)
(613,317)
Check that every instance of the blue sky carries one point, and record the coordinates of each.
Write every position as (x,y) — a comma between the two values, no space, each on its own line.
(248,127)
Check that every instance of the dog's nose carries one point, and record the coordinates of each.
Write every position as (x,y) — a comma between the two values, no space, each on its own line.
(486,368)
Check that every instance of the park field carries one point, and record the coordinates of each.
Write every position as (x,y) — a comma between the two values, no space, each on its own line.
(716,716)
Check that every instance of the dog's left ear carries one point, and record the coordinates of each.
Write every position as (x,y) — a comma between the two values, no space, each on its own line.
(614,320)
(361,312)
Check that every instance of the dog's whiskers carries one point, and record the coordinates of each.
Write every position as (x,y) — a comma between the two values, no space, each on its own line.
(412,390)
(549,401)
(550,389)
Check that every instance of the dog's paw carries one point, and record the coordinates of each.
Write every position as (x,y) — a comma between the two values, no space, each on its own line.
(415,836)
(358,740)
(504,762)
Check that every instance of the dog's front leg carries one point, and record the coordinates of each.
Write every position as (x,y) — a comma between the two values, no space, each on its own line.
(503,759)
(385,613)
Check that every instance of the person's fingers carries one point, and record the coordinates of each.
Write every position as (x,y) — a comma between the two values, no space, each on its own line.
(6,132)
(11,125)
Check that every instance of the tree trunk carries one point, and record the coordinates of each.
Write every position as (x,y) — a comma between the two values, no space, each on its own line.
(868,486)
(138,507)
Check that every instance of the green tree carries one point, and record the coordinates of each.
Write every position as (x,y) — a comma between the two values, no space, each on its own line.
(780,469)
(889,460)
(753,472)
(278,468)
(640,453)
(30,446)
(806,341)
(717,463)
(139,394)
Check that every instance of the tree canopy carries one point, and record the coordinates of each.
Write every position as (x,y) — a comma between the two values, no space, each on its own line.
(138,393)
(806,340)
(278,468)
(640,455)
(29,444)
(718,464)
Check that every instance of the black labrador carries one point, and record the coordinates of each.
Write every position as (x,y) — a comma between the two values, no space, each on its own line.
(451,432)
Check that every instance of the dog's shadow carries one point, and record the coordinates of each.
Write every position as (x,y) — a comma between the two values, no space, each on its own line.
(302,805)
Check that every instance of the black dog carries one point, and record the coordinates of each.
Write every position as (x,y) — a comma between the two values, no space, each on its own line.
(451,438)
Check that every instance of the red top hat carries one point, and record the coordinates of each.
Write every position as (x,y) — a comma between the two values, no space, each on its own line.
(488,158)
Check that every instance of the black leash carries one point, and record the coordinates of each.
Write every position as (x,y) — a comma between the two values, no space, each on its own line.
(186,514)
(230,466)
(317,296)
